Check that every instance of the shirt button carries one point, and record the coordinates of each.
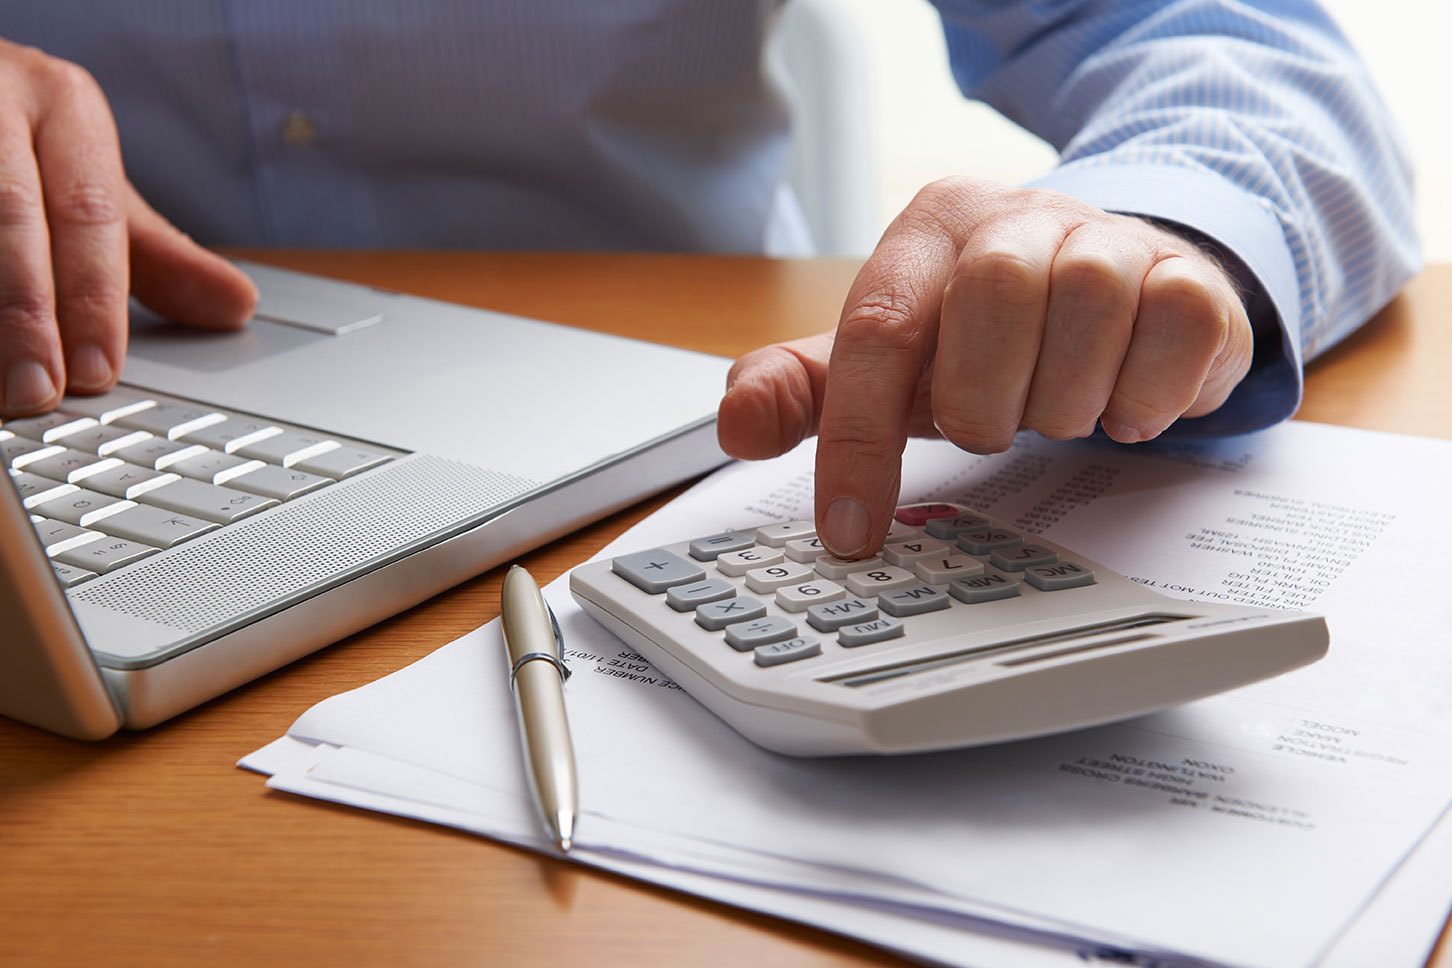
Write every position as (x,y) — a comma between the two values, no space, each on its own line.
(298,129)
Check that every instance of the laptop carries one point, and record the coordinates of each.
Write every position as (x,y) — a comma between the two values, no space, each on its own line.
(242,499)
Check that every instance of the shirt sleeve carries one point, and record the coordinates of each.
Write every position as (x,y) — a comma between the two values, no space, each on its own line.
(1253,124)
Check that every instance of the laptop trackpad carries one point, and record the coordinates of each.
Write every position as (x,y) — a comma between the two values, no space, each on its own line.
(210,351)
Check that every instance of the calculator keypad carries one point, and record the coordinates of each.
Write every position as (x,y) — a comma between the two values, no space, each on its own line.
(940,558)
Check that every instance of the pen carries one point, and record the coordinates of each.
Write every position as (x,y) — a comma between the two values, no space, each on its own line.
(537,674)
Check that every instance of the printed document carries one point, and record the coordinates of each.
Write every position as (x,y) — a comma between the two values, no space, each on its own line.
(1250,829)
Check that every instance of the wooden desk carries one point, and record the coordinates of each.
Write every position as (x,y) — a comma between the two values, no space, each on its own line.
(152,849)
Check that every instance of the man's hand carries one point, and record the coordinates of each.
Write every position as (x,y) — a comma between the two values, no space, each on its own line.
(983,310)
(75,238)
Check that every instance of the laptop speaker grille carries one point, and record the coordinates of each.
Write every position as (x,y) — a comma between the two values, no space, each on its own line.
(301,545)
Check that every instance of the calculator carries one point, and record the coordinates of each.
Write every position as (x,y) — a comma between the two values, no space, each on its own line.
(962,631)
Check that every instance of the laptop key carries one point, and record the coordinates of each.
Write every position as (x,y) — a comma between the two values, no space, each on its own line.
(342,461)
(19,451)
(220,504)
(83,507)
(107,407)
(214,467)
(288,448)
(48,427)
(170,420)
(154,526)
(158,452)
(232,433)
(36,490)
(59,536)
(279,483)
(69,575)
(128,481)
(71,466)
(105,555)
(102,439)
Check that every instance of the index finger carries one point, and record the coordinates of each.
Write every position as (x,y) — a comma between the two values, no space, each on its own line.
(884,343)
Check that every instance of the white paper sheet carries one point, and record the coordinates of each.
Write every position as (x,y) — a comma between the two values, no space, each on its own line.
(1172,835)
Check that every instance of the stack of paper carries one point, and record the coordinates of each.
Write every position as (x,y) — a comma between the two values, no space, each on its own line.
(1258,828)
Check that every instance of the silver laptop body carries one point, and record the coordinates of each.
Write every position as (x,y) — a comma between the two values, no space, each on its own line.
(490,434)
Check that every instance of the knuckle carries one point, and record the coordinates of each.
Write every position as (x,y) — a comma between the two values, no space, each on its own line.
(20,203)
(25,313)
(998,277)
(67,78)
(860,438)
(1088,274)
(884,319)
(1058,423)
(84,204)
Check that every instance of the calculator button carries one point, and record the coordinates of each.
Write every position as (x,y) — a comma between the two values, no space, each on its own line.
(879,580)
(1051,578)
(772,577)
(919,514)
(656,570)
(904,553)
(717,615)
(714,545)
(897,531)
(865,633)
(940,571)
(799,598)
(1017,559)
(805,549)
(746,636)
(954,526)
(983,588)
(685,598)
(801,647)
(830,616)
(738,563)
(835,568)
(913,600)
(776,535)
(985,540)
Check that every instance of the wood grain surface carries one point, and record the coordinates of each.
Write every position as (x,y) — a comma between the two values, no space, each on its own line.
(154,849)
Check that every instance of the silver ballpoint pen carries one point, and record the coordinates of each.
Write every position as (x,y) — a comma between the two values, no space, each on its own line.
(537,674)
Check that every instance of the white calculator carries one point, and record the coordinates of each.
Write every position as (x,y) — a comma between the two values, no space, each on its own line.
(961,632)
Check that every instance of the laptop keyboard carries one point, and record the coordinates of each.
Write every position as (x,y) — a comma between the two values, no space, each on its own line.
(111,479)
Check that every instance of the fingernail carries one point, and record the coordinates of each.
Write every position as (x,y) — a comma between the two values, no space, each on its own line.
(28,386)
(1123,433)
(846,528)
(88,368)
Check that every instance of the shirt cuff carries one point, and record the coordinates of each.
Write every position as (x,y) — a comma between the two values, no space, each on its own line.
(1244,225)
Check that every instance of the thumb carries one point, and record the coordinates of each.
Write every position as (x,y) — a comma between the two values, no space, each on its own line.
(774,397)
(178,278)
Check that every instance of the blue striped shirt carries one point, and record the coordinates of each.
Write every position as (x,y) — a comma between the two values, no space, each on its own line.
(652,125)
